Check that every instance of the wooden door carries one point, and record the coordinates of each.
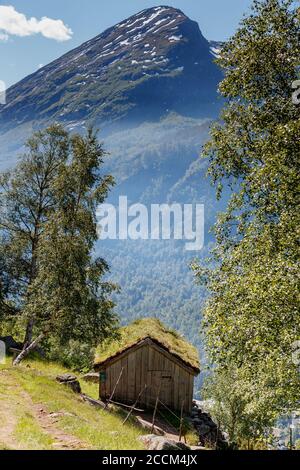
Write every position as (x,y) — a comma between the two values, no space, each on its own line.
(161,383)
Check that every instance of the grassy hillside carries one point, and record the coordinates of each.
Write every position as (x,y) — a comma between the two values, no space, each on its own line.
(38,413)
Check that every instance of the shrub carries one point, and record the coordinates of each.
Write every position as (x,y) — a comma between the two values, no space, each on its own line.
(75,355)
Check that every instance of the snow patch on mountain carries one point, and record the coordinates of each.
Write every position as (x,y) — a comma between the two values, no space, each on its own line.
(175,38)
(215,48)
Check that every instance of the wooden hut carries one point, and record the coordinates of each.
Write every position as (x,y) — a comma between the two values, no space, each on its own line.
(149,361)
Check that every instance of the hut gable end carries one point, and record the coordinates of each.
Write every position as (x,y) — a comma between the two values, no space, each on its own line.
(155,345)
(146,362)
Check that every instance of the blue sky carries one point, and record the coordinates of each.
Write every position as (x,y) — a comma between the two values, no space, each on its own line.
(31,43)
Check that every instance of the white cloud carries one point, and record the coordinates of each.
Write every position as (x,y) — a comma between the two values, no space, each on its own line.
(3,37)
(13,23)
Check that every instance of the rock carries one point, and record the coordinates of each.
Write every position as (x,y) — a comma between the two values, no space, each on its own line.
(74,385)
(66,378)
(91,377)
(181,445)
(197,421)
(153,442)
(207,429)
(203,429)
(204,421)
(196,406)
(70,381)
(222,445)
(199,448)
(206,416)
(213,425)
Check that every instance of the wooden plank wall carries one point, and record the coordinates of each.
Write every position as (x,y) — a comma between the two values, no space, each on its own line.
(147,365)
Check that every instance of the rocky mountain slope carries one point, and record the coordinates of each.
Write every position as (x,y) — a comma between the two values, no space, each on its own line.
(152,63)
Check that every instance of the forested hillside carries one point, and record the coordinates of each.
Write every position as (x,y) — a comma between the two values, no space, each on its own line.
(150,85)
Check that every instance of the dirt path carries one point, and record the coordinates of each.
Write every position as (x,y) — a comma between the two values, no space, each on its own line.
(48,422)
(15,399)
(9,415)
(7,427)
(8,420)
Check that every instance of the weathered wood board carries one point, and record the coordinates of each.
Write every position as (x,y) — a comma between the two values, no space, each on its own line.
(148,364)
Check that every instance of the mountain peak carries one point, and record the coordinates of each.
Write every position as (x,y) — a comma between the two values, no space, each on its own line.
(156,24)
(152,63)
(151,15)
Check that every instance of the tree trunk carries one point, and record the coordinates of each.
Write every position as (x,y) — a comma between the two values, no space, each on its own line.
(28,349)
(28,334)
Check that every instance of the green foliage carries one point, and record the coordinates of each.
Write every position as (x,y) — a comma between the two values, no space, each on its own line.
(74,355)
(239,406)
(48,229)
(148,327)
(252,316)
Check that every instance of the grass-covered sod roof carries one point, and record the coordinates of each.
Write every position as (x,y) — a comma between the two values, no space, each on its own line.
(149,328)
